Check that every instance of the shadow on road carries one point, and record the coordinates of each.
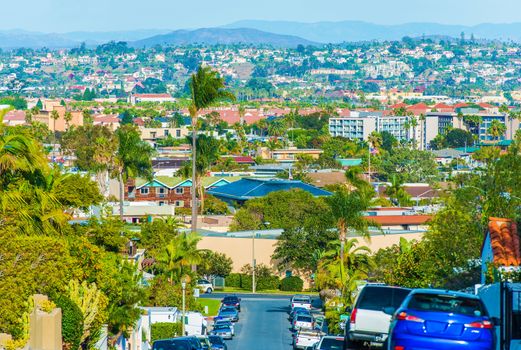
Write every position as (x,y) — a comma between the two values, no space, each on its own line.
(279,310)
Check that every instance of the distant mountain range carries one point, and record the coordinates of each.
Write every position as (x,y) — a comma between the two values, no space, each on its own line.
(223,36)
(255,32)
(337,32)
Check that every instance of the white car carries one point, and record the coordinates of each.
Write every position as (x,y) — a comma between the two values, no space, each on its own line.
(307,338)
(205,286)
(302,301)
(303,322)
(370,317)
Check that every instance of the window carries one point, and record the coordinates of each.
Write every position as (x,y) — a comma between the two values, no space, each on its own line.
(178,133)
(153,135)
(161,190)
(179,190)
(179,203)
(161,203)
(447,303)
(167,132)
(144,190)
(376,298)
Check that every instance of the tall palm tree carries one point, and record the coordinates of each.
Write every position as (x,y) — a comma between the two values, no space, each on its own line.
(496,129)
(242,112)
(68,118)
(206,88)
(133,159)
(348,209)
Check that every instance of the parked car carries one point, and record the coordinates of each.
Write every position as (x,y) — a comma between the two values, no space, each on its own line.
(303,322)
(306,338)
(205,286)
(302,301)
(298,311)
(218,321)
(223,331)
(368,322)
(194,342)
(330,343)
(217,343)
(232,300)
(228,312)
(440,319)
(172,344)
(205,343)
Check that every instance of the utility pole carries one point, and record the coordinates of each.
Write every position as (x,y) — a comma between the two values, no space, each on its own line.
(183,285)
(253,263)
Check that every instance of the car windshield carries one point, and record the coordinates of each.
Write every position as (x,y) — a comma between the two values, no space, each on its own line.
(230,299)
(215,340)
(378,298)
(304,319)
(228,309)
(203,282)
(223,323)
(447,303)
(221,327)
(332,344)
(301,300)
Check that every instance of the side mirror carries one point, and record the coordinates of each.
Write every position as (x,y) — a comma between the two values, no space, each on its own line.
(495,321)
(389,310)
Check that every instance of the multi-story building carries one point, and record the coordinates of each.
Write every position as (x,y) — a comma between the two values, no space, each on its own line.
(359,125)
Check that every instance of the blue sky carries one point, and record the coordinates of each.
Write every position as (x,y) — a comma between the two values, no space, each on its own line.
(104,15)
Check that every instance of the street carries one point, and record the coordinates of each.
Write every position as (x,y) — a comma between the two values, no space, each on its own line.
(263,324)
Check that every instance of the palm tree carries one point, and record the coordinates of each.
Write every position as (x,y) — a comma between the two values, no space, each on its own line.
(496,129)
(375,140)
(179,254)
(348,208)
(342,265)
(397,193)
(133,159)
(277,127)
(206,87)
(28,116)
(242,112)
(68,118)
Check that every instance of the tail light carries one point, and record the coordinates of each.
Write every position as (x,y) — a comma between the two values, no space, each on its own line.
(353,316)
(292,305)
(399,347)
(480,324)
(402,316)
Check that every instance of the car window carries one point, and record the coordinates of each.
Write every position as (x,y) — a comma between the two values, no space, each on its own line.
(216,340)
(170,345)
(332,344)
(221,326)
(301,300)
(446,303)
(304,319)
(378,298)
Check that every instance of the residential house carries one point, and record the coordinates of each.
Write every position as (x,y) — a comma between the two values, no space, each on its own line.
(59,124)
(13,118)
(165,190)
(249,188)
(288,155)
(159,98)
(152,135)
(111,121)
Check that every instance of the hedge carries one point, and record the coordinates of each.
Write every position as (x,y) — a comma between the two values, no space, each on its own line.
(165,330)
(72,321)
(263,283)
(233,280)
(292,284)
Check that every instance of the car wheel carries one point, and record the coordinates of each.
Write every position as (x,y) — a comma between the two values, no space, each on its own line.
(209,291)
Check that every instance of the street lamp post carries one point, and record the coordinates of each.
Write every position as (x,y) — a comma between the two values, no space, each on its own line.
(183,285)
(254,263)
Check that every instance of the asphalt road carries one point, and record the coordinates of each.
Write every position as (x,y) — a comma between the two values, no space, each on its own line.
(263,325)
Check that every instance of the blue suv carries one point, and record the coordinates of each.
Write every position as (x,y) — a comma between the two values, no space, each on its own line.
(441,320)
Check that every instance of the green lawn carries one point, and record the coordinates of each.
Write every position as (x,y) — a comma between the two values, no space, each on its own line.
(213,306)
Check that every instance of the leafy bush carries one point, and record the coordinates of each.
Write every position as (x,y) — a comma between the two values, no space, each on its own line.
(233,280)
(163,330)
(72,321)
(263,282)
(292,284)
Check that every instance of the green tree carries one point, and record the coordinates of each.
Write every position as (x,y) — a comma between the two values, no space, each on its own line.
(214,264)
(409,165)
(178,255)
(459,138)
(206,88)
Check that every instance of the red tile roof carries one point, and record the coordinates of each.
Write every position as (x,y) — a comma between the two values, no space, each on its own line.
(394,220)
(461,105)
(399,105)
(152,95)
(504,239)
